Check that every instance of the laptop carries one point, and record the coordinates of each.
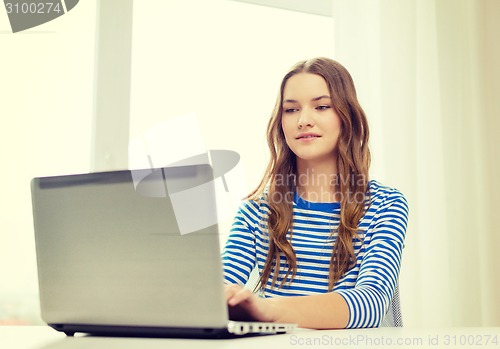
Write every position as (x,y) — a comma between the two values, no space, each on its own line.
(133,252)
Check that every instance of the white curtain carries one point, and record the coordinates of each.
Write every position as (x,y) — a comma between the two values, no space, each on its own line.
(427,76)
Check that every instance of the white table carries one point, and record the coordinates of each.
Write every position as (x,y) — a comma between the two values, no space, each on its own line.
(43,337)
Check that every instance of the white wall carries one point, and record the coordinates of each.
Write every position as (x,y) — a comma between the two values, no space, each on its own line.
(46,76)
(222,61)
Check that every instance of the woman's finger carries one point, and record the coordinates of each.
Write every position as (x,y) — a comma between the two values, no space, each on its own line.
(230,290)
(239,296)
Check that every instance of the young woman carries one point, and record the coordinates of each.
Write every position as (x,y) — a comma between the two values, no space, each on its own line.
(326,240)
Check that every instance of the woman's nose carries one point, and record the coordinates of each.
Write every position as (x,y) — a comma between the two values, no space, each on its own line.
(305,118)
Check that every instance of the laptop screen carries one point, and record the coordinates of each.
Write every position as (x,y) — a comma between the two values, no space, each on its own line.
(136,248)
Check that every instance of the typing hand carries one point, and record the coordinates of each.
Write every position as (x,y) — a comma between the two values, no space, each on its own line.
(246,306)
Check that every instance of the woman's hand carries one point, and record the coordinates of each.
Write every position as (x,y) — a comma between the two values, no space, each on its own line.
(321,311)
(246,306)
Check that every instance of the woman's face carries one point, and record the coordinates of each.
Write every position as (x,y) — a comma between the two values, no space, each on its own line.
(309,122)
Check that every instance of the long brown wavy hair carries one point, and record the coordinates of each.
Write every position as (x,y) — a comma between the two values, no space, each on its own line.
(353,162)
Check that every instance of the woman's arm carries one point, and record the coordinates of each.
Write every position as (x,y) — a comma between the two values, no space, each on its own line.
(323,311)
(239,255)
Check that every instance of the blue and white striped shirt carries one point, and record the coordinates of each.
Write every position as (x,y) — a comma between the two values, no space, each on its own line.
(367,288)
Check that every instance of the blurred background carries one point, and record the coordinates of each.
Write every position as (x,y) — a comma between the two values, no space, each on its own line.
(77,91)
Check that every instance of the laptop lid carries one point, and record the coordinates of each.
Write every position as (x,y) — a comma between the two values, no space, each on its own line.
(137,248)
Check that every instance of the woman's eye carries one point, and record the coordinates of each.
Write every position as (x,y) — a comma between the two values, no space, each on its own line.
(323,107)
(290,110)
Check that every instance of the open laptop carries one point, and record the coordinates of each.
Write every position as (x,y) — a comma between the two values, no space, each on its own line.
(133,252)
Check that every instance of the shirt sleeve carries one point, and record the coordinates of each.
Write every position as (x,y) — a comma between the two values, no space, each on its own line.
(370,298)
(239,254)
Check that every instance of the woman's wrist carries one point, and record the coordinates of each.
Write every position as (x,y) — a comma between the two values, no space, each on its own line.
(277,311)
